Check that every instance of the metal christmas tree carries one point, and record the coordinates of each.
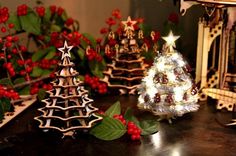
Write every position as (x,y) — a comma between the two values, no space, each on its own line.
(168,89)
(68,107)
(127,68)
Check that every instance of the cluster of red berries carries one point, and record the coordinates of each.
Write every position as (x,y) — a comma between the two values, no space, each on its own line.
(95,84)
(121,118)
(40,10)
(4,14)
(69,21)
(110,53)
(54,10)
(35,87)
(55,39)
(22,10)
(93,55)
(10,68)
(132,129)
(74,38)
(4,92)
(110,21)
(46,64)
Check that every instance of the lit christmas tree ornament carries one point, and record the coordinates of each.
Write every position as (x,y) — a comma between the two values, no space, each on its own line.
(168,89)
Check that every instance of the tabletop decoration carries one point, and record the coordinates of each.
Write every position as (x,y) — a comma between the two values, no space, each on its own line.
(68,107)
(168,89)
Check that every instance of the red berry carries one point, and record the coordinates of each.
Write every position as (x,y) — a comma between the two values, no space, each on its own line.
(60,11)
(9,38)
(53,9)
(9,56)
(15,38)
(8,44)
(3,29)
(10,25)
(28,69)
(23,48)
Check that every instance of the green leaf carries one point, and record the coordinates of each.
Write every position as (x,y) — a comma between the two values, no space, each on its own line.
(81,53)
(55,28)
(41,94)
(25,91)
(91,39)
(50,55)
(36,72)
(31,23)
(5,104)
(64,16)
(19,80)
(6,81)
(15,20)
(47,15)
(38,55)
(149,127)
(48,52)
(81,78)
(114,109)
(145,28)
(109,129)
(83,44)
(130,117)
(97,68)
(46,72)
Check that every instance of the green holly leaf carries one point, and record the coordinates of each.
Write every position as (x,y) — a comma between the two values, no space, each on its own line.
(37,71)
(145,28)
(114,109)
(91,39)
(46,72)
(81,53)
(38,55)
(6,82)
(19,80)
(47,15)
(108,129)
(64,16)
(25,91)
(5,104)
(83,44)
(55,28)
(47,53)
(50,55)
(97,68)
(130,117)
(15,20)
(149,127)
(31,22)
(41,94)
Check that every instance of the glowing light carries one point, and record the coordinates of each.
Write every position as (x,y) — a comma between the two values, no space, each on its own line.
(156,140)
(178,94)
(170,40)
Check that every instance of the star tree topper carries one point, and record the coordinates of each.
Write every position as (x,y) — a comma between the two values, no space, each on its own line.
(129,24)
(65,50)
(170,41)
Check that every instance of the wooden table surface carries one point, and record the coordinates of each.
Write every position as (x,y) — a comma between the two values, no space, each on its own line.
(196,133)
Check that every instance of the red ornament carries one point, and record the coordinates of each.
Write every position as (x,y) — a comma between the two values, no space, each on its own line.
(157,98)
(146,98)
(169,98)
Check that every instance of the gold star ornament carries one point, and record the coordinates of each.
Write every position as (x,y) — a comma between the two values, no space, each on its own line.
(129,24)
(170,40)
(65,50)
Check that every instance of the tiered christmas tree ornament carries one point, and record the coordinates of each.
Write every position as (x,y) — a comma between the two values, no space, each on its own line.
(127,68)
(68,107)
(168,89)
